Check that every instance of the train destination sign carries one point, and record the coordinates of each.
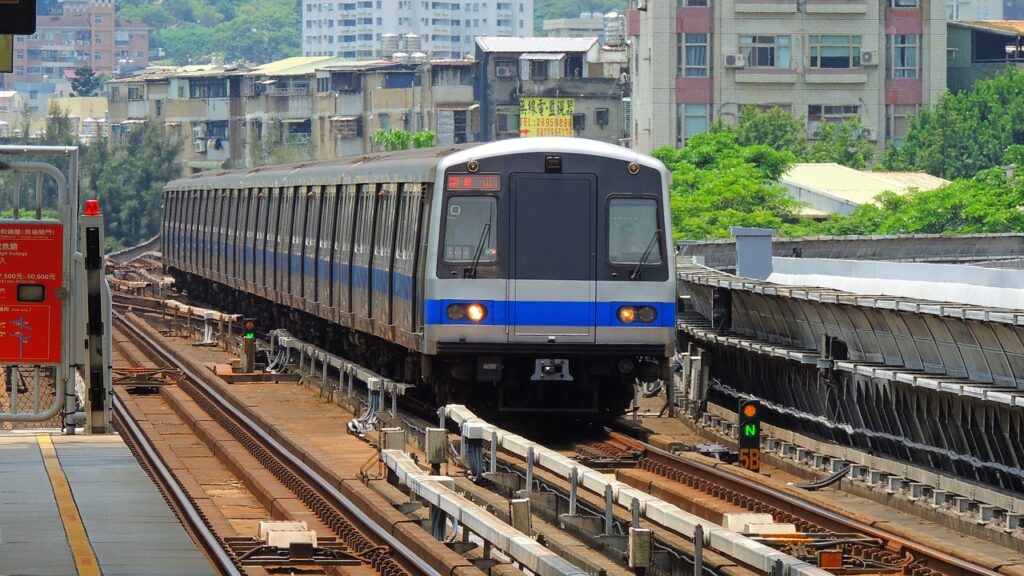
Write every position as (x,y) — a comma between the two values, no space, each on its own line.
(31,272)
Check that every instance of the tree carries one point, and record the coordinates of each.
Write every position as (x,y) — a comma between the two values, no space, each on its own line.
(843,144)
(25,121)
(716,183)
(423,139)
(58,130)
(128,180)
(185,44)
(155,15)
(964,133)
(392,140)
(85,82)
(774,127)
(262,31)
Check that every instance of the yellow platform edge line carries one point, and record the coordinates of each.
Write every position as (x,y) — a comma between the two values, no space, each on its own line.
(81,549)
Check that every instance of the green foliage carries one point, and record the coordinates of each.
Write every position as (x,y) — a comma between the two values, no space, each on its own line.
(256,31)
(717,183)
(986,203)
(128,181)
(86,82)
(774,127)
(185,43)
(964,133)
(843,144)
(423,139)
(392,140)
(58,131)
(261,31)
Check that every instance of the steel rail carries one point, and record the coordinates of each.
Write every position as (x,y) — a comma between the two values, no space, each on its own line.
(944,562)
(173,490)
(279,451)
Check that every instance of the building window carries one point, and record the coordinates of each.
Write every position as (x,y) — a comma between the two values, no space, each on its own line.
(903,3)
(693,120)
(692,55)
(601,117)
(507,122)
(99,20)
(834,51)
(765,51)
(135,93)
(818,113)
(896,121)
(901,56)
(682,3)
(323,84)
(579,121)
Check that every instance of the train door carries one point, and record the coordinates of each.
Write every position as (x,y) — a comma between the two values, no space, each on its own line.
(406,250)
(274,243)
(552,279)
(239,228)
(383,248)
(325,272)
(343,251)
(260,249)
(362,279)
(231,226)
(311,227)
(296,243)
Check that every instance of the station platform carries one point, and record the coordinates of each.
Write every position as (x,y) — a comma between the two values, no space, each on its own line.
(83,505)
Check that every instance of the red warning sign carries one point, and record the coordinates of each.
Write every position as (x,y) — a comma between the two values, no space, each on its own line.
(31,272)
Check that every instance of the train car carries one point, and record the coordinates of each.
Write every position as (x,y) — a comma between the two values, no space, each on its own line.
(532,274)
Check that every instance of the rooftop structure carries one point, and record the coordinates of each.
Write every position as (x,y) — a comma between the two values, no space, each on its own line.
(829,188)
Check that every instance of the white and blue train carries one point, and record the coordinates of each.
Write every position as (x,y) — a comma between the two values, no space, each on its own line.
(532,274)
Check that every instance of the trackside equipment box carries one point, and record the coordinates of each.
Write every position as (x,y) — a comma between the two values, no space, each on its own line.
(31,274)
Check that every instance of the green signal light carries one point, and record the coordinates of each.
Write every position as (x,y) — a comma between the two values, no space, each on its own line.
(750,430)
(250,335)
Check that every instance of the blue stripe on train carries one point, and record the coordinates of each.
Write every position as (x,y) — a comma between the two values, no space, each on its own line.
(546,313)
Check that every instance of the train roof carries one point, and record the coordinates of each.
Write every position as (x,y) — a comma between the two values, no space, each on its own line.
(416,165)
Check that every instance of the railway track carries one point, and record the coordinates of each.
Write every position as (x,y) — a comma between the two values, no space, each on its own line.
(362,538)
(878,548)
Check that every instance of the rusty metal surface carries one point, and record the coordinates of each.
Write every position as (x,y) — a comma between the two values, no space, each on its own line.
(911,557)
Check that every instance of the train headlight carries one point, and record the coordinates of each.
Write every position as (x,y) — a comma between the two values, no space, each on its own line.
(476,312)
(456,312)
(627,314)
(646,314)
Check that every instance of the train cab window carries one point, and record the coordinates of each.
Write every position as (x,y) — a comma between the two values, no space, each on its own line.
(470,223)
(632,223)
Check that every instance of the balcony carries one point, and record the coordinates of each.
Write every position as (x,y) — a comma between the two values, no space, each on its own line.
(765,6)
(766,76)
(836,76)
(836,6)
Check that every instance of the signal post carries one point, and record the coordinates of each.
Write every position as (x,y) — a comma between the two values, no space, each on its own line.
(750,435)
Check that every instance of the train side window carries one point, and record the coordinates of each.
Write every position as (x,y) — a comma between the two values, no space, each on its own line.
(632,223)
(469,222)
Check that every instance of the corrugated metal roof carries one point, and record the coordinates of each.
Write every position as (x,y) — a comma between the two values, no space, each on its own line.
(296,66)
(531,44)
(855,186)
(1004,27)
(542,56)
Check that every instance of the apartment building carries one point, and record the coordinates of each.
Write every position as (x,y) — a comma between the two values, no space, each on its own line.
(304,108)
(88,33)
(551,87)
(442,28)
(699,61)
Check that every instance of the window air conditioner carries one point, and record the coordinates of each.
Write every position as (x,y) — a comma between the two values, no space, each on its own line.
(735,61)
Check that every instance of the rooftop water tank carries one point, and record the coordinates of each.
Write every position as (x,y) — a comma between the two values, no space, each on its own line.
(614,29)
(413,43)
(401,57)
(417,58)
(388,44)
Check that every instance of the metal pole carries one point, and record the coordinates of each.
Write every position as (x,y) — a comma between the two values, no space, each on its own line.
(573,488)
(494,452)
(698,550)
(609,502)
(529,469)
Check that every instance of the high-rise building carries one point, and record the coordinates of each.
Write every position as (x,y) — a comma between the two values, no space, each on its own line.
(699,61)
(88,33)
(382,28)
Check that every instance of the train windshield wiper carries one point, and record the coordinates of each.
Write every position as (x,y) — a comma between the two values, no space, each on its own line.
(635,274)
(485,234)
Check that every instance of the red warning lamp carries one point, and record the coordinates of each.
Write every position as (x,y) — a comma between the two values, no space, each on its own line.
(92,207)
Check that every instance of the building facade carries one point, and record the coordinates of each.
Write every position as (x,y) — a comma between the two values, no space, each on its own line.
(304,108)
(586,80)
(981,50)
(360,29)
(87,34)
(875,61)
